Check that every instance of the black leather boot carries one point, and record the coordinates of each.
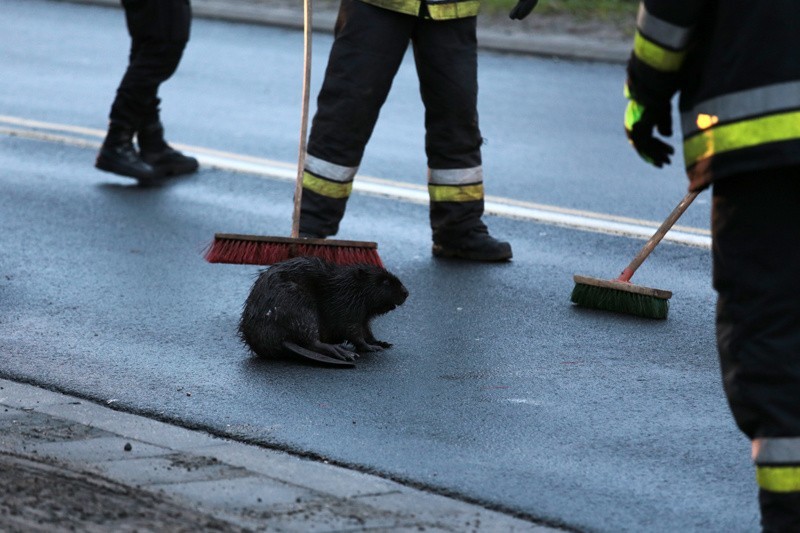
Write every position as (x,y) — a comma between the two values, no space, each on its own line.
(117,155)
(155,151)
(474,245)
(780,511)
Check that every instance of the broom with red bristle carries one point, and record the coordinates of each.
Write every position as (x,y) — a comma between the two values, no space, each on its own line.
(261,250)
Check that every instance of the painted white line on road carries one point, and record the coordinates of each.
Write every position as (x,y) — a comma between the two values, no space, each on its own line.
(407,192)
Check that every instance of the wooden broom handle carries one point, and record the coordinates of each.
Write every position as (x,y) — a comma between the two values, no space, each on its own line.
(650,245)
(301,158)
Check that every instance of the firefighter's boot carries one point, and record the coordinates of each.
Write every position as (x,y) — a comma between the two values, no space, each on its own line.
(475,245)
(156,152)
(118,155)
(780,511)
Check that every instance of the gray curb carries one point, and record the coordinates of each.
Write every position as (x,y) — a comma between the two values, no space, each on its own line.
(557,46)
(252,487)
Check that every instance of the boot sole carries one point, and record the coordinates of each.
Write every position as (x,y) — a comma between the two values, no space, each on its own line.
(177,170)
(109,166)
(451,253)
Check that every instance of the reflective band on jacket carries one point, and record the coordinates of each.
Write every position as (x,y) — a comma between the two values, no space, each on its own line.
(456,193)
(656,56)
(328,188)
(778,478)
(736,106)
(739,135)
(438,9)
(453,10)
(455,176)
(660,31)
(409,7)
(328,170)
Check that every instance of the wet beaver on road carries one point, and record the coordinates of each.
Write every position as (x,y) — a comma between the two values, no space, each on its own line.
(318,306)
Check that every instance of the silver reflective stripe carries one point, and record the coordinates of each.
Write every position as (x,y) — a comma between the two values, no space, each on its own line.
(783,450)
(328,170)
(455,176)
(734,106)
(661,31)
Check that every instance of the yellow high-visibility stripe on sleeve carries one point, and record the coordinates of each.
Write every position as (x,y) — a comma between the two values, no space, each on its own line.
(657,56)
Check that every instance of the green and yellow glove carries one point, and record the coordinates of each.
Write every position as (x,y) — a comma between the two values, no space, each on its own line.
(640,121)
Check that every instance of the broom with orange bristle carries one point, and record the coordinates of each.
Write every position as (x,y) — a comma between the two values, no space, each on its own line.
(622,296)
(261,250)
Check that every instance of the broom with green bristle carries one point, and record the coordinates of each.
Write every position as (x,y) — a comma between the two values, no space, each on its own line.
(622,296)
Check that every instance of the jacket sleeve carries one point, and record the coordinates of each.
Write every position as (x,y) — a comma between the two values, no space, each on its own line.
(664,36)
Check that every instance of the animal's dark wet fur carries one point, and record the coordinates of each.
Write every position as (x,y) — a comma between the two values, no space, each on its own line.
(319,306)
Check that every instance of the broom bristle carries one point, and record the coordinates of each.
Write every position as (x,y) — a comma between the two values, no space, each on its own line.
(243,251)
(620,301)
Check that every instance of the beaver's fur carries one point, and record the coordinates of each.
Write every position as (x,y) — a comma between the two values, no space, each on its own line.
(318,306)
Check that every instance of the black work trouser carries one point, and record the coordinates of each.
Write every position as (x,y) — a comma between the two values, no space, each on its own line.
(159,31)
(756,251)
(369,46)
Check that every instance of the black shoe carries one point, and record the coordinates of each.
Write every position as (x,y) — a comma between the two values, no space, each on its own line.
(170,162)
(117,155)
(156,152)
(475,245)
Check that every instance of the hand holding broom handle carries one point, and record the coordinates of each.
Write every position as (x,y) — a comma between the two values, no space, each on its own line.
(650,245)
(241,249)
(301,158)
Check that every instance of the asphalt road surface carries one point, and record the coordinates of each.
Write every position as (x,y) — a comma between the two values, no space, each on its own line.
(497,390)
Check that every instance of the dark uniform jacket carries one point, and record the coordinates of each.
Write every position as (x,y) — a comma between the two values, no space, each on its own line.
(736,64)
(436,9)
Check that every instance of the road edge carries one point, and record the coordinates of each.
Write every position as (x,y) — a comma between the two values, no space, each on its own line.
(561,46)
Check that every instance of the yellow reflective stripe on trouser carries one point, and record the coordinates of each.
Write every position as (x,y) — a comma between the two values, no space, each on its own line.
(778,478)
(745,134)
(454,10)
(777,463)
(657,56)
(328,188)
(456,193)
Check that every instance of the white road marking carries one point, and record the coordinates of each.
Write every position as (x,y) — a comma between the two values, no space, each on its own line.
(407,192)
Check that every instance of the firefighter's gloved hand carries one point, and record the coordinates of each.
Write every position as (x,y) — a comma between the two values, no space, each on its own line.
(523,9)
(640,121)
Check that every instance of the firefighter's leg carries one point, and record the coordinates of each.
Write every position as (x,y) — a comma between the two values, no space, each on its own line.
(446,59)
(756,260)
(368,47)
(159,31)
(169,25)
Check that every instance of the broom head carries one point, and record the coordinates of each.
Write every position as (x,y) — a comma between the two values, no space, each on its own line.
(259,250)
(620,297)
